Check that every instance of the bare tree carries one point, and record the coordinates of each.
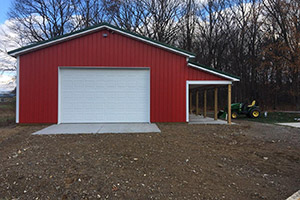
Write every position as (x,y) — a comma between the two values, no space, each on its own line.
(187,23)
(128,14)
(90,12)
(162,22)
(37,20)
(282,47)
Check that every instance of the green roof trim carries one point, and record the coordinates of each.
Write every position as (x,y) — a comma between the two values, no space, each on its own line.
(233,77)
(52,41)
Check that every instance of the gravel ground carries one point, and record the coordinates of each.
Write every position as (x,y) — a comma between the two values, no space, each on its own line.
(244,161)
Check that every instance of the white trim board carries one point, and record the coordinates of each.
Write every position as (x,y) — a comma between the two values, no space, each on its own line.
(213,72)
(209,82)
(58,95)
(97,29)
(18,91)
(188,83)
(101,67)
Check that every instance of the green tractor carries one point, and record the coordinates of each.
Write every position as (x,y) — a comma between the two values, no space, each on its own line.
(251,110)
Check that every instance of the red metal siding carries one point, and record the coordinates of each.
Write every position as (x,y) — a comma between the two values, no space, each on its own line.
(39,74)
(195,74)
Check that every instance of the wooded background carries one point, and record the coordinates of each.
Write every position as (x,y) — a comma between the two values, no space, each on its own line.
(257,40)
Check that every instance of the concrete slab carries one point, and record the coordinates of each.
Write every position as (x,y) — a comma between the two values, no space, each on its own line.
(69,129)
(199,119)
(292,124)
(98,128)
(129,128)
(295,196)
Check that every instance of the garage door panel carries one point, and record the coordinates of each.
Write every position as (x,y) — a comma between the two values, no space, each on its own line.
(104,95)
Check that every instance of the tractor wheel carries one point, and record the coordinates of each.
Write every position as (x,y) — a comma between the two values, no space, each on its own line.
(255,113)
(234,115)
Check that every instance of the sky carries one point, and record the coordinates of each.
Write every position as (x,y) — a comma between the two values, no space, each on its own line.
(7,82)
(5,4)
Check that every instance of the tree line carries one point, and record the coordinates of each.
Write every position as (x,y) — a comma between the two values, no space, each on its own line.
(257,40)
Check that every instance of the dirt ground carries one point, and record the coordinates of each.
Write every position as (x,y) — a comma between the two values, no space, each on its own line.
(245,161)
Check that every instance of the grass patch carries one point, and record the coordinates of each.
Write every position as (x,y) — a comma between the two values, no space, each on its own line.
(7,113)
(7,106)
(274,117)
(6,120)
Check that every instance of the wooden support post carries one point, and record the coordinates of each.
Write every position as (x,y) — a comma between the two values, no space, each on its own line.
(197,102)
(216,104)
(204,110)
(191,101)
(229,105)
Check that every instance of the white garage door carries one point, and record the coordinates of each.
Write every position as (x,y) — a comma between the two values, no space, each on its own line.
(104,95)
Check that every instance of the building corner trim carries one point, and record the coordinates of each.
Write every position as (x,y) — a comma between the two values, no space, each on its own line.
(18,91)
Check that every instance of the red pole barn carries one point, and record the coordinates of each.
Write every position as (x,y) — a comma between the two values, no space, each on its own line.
(106,74)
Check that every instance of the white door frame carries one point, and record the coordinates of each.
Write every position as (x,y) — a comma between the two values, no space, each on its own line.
(98,67)
(188,83)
